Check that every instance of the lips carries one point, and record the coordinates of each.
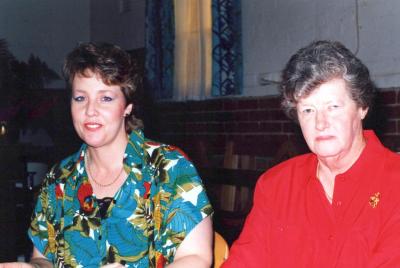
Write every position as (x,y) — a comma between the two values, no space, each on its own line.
(91,126)
(324,138)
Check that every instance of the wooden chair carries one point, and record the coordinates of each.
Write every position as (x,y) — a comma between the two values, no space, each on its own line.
(230,190)
(235,197)
(221,250)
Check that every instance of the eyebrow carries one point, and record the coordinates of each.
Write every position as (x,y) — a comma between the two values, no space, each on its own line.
(100,91)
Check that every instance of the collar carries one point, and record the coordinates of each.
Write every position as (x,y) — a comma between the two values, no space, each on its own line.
(134,152)
(372,151)
(363,165)
(133,156)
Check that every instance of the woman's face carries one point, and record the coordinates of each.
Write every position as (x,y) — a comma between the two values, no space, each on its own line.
(331,121)
(98,111)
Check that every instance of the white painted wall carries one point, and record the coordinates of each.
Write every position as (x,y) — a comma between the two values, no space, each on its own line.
(46,28)
(275,29)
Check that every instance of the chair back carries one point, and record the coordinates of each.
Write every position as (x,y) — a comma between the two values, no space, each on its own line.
(221,250)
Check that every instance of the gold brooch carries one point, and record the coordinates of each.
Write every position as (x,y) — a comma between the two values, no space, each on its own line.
(374,200)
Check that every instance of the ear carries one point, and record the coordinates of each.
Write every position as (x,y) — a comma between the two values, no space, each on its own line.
(128,109)
(363,112)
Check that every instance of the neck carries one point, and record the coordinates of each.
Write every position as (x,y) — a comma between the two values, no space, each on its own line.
(341,163)
(328,168)
(105,168)
(107,157)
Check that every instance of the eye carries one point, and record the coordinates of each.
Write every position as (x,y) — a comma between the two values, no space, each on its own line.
(106,99)
(78,98)
(333,107)
(307,111)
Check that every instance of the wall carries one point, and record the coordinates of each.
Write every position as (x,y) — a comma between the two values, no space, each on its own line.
(118,21)
(50,29)
(256,125)
(46,28)
(274,29)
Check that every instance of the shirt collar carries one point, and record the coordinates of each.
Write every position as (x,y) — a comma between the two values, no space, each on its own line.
(134,153)
(133,156)
(370,154)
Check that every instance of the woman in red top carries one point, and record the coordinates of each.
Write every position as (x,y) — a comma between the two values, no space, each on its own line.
(338,206)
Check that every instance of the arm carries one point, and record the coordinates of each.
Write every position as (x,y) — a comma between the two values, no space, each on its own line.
(250,249)
(186,235)
(37,260)
(196,248)
(386,253)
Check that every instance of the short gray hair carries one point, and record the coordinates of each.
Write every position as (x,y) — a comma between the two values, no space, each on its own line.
(318,63)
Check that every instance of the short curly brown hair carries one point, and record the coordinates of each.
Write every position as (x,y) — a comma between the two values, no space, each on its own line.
(112,64)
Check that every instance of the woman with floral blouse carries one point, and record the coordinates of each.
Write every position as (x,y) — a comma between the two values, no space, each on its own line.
(121,200)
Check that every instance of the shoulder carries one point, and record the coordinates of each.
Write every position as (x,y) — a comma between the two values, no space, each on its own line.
(167,151)
(301,162)
(176,176)
(166,156)
(62,170)
(381,160)
(386,184)
(294,171)
(392,160)
(391,169)
(172,164)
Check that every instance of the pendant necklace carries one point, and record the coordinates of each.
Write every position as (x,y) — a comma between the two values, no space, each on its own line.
(94,180)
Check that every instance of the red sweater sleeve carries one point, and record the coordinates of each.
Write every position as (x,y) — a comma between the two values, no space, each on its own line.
(250,249)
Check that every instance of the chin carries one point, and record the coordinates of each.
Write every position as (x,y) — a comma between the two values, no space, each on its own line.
(327,154)
(93,141)
(93,144)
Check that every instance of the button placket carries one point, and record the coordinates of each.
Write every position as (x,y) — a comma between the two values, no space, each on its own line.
(101,241)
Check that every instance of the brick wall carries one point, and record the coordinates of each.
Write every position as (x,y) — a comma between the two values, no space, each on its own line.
(388,118)
(256,125)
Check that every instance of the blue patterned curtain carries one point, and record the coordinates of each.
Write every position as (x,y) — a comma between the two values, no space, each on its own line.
(227,70)
(160,47)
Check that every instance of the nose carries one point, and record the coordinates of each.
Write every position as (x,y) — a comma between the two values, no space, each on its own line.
(321,120)
(91,108)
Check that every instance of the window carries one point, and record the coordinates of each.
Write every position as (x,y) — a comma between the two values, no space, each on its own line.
(193,49)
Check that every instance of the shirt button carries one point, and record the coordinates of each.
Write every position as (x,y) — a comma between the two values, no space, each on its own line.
(331,237)
(338,203)
(99,237)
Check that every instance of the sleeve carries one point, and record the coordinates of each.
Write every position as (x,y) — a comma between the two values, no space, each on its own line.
(386,253)
(251,248)
(41,230)
(184,199)
(386,250)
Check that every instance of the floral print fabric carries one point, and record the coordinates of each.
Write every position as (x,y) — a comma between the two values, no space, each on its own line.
(161,201)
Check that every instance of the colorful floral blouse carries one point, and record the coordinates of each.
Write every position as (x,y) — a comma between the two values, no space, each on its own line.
(161,201)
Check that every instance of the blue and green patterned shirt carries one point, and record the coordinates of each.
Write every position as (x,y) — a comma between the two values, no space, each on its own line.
(160,202)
